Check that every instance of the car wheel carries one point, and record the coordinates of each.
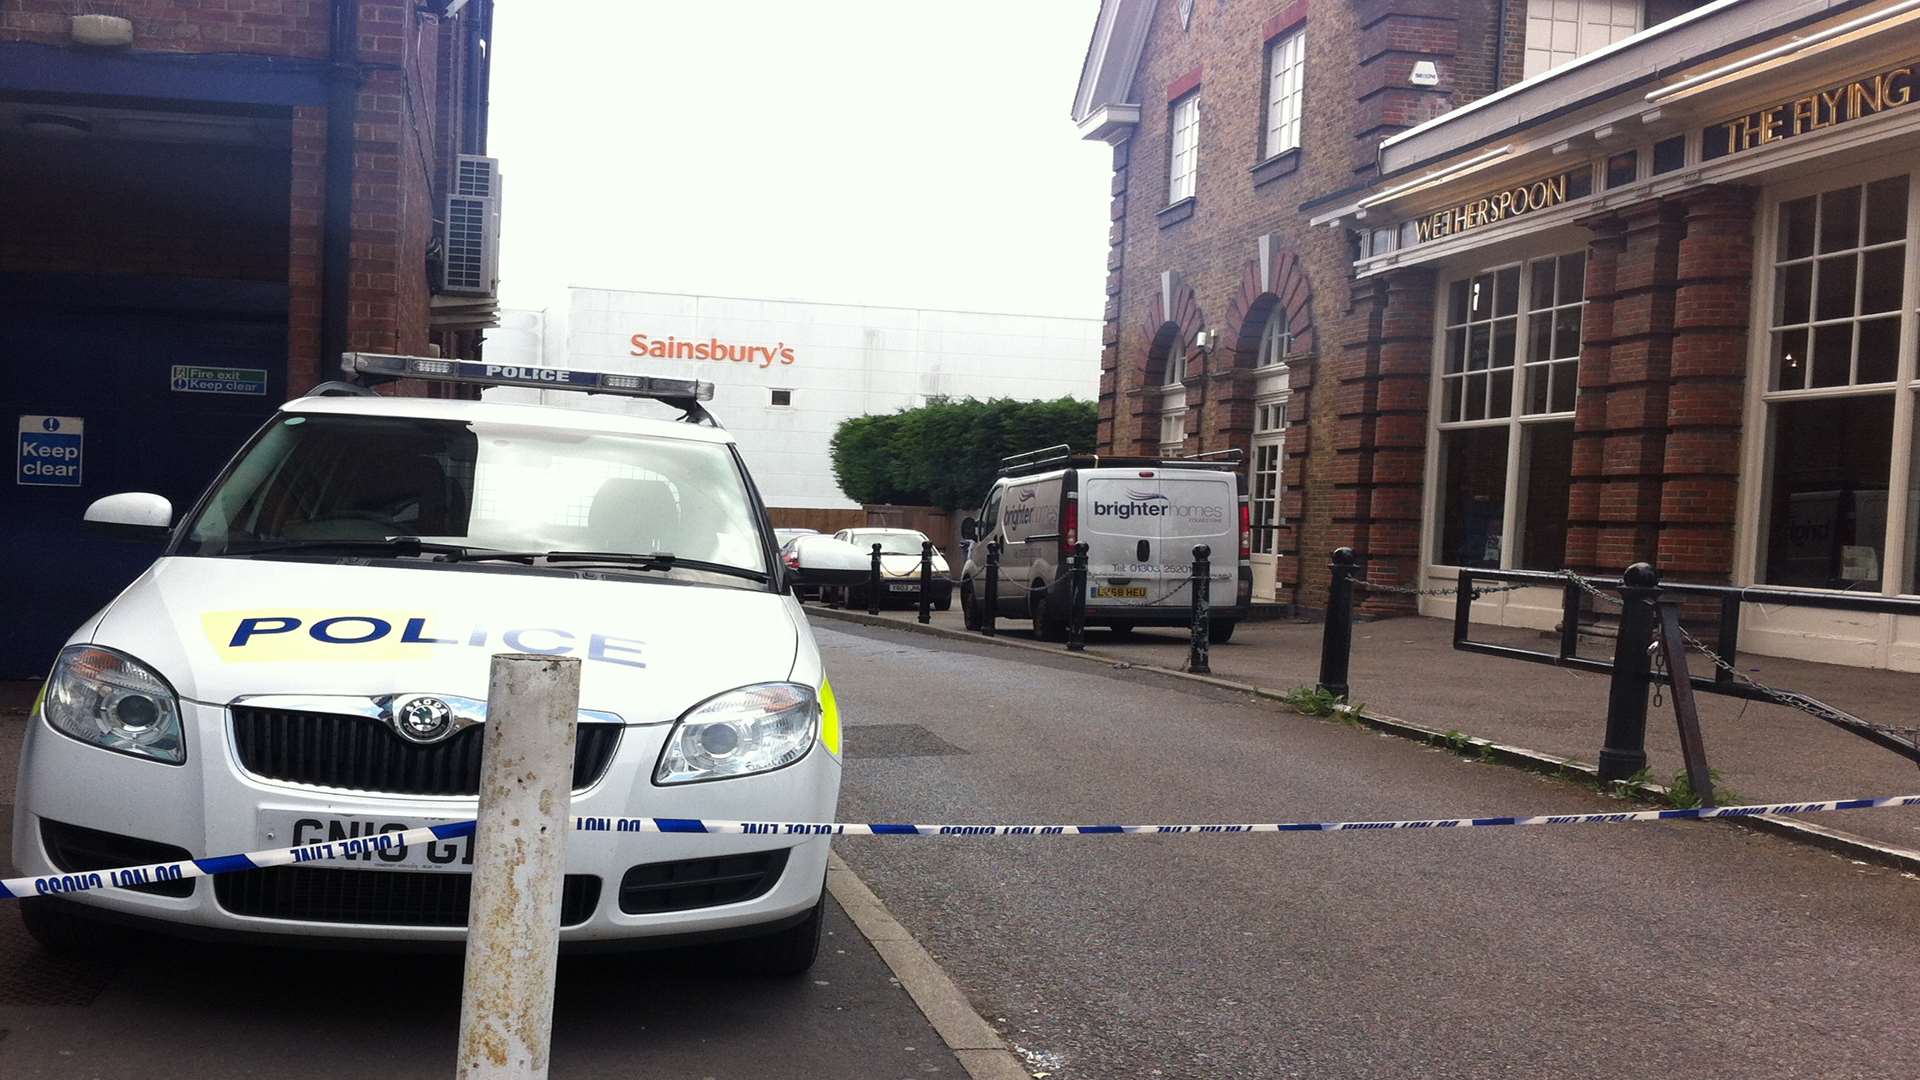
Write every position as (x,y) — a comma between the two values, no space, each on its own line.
(60,931)
(944,603)
(1221,632)
(969,612)
(788,952)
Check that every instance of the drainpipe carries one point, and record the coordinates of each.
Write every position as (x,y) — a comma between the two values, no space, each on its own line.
(1500,46)
(343,85)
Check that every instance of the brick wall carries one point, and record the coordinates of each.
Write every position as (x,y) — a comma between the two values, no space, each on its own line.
(274,27)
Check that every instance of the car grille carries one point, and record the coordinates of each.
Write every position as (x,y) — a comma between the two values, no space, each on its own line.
(374,897)
(343,751)
(699,883)
(74,849)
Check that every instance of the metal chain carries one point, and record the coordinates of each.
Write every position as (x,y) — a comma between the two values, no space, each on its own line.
(1795,700)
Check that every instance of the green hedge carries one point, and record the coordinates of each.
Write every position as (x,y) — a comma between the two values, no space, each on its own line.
(946,453)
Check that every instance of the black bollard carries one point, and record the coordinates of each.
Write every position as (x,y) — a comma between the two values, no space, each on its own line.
(926,581)
(1201,638)
(873,583)
(1336,640)
(991,606)
(1624,752)
(1077,610)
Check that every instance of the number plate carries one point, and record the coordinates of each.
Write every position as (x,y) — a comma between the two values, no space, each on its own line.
(297,828)
(1119,592)
(901,586)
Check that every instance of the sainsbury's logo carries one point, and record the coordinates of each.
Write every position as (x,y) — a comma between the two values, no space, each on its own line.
(673,348)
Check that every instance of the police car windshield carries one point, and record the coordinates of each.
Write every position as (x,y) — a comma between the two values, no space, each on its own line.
(313,480)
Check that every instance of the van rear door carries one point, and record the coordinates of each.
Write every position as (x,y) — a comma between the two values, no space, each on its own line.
(1202,507)
(1121,511)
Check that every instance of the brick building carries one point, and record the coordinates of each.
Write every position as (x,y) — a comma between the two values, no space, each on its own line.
(200,202)
(1528,284)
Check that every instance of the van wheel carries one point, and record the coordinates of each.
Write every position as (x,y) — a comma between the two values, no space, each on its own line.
(969,613)
(1045,626)
(786,953)
(1221,632)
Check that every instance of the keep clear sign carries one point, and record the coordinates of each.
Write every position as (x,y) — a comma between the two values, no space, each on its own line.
(188,379)
(49,451)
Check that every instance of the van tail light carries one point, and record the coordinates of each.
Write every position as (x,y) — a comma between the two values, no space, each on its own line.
(1246,532)
(1070,527)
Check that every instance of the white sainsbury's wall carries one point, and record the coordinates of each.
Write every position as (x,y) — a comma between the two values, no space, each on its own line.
(838,361)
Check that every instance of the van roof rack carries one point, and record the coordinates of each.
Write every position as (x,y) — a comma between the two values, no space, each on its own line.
(1063,457)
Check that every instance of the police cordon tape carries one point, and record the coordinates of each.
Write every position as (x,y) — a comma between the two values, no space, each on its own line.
(361,846)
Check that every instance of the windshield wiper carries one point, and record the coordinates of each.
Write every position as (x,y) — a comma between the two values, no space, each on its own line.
(656,560)
(394,545)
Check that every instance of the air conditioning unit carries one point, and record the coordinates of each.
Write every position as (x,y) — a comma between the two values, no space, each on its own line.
(470,248)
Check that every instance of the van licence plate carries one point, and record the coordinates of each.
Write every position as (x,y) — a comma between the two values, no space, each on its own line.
(1119,592)
(298,828)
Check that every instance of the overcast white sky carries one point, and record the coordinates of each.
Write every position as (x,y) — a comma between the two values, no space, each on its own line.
(903,152)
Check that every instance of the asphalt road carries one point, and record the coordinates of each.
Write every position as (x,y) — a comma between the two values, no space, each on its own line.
(1683,949)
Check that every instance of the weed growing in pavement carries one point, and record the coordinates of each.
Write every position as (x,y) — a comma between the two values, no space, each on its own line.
(1487,753)
(1457,741)
(1681,794)
(1311,700)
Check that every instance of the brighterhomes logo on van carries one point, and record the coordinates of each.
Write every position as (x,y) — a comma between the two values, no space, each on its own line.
(1155,504)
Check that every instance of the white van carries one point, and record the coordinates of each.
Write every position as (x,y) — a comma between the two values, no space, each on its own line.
(1140,518)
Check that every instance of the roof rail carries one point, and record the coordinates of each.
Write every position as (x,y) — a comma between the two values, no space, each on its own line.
(1236,454)
(1057,450)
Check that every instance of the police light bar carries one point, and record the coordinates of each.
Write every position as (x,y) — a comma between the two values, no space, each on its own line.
(380,367)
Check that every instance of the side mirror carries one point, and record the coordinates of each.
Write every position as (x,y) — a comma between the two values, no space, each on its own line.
(966,528)
(822,560)
(131,515)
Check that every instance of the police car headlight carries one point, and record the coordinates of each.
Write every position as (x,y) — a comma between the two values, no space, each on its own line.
(116,702)
(753,729)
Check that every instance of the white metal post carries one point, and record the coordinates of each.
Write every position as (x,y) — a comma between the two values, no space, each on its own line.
(519,863)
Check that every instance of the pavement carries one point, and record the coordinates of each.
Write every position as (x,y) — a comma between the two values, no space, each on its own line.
(1687,948)
(1407,668)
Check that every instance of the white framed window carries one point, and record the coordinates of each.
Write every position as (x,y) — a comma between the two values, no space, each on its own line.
(1183,165)
(1269,441)
(1276,340)
(1837,509)
(1559,31)
(1176,372)
(1173,433)
(1286,89)
(1509,372)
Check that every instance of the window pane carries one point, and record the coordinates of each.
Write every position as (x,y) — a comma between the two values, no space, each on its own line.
(1790,360)
(1503,335)
(1840,219)
(1456,350)
(1573,278)
(1882,275)
(1827,505)
(1547,457)
(1473,486)
(1834,292)
(1507,290)
(1500,393)
(1879,350)
(1566,333)
(1457,303)
(1538,378)
(1887,210)
(1476,398)
(1540,288)
(1480,299)
(1566,380)
(1796,228)
(1450,408)
(1622,168)
(1832,355)
(1793,294)
(1479,347)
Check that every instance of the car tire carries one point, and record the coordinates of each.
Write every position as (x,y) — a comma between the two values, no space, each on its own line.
(786,953)
(59,931)
(1221,632)
(945,602)
(969,612)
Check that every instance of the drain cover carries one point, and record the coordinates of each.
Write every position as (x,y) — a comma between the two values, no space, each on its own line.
(896,741)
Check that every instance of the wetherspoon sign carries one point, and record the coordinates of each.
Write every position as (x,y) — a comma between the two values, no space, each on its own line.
(1865,96)
(1498,206)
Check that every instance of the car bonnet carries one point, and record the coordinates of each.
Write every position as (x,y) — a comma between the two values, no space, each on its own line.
(221,628)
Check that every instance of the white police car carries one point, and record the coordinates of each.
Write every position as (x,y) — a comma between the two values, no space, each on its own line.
(308,660)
